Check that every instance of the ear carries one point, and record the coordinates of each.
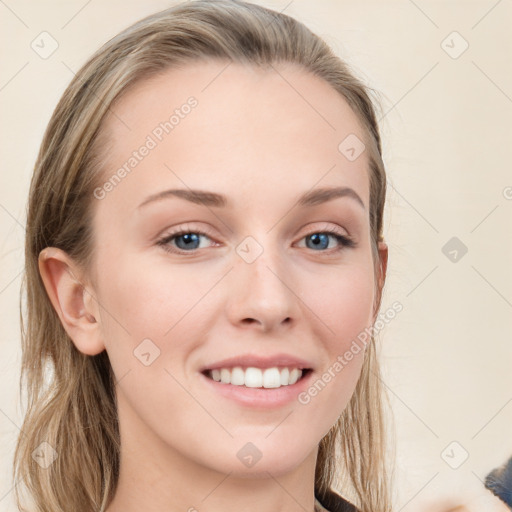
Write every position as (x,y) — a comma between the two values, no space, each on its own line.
(72,300)
(381,275)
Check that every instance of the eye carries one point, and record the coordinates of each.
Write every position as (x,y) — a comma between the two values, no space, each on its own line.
(183,241)
(319,240)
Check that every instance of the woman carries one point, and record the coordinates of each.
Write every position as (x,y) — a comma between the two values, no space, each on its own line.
(204,267)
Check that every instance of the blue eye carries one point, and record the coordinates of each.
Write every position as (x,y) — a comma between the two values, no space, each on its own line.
(186,241)
(189,241)
(321,240)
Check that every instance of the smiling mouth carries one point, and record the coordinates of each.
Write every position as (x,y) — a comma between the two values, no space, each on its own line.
(252,377)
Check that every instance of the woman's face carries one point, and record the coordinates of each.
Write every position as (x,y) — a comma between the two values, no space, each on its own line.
(253,281)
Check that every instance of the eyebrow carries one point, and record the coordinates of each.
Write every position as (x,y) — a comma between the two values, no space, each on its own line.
(212,199)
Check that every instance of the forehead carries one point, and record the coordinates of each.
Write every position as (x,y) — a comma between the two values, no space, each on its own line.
(219,125)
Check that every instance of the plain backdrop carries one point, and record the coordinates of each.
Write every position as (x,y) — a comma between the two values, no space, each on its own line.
(443,71)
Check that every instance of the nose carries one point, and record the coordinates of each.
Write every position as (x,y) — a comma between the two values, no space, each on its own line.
(262,294)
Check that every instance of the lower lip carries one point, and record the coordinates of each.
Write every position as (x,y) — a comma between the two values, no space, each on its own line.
(265,398)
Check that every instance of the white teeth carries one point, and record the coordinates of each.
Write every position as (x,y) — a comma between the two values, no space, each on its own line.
(294,376)
(237,376)
(225,376)
(256,377)
(271,378)
(253,378)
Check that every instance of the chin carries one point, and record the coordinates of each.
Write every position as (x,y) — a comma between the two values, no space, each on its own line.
(261,456)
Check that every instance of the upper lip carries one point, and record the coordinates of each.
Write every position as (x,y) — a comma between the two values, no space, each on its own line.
(256,361)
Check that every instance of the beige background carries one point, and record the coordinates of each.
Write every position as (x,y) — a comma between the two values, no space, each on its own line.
(446,124)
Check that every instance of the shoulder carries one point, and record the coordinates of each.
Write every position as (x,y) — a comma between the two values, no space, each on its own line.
(333,502)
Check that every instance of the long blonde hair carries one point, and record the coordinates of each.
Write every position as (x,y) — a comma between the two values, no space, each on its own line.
(71,399)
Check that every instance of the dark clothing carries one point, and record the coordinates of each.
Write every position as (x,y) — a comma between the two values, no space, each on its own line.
(499,481)
(333,502)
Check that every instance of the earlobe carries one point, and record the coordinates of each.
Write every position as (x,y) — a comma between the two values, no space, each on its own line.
(73,302)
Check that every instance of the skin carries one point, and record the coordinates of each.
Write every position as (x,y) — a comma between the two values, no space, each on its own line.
(262,141)
(470,499)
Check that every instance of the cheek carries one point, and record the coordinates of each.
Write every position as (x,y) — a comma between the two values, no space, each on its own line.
(151,321)
(149,300)
(163,303)
(344,304)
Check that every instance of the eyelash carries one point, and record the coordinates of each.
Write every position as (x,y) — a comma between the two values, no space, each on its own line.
(344,240)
